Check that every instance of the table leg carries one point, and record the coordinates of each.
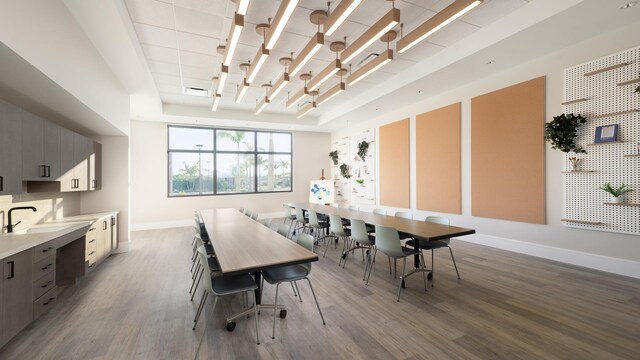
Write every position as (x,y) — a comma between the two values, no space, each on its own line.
(258,292)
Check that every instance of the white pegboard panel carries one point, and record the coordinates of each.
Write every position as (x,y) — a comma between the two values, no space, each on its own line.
(342,190)
(584,201)
(364,193)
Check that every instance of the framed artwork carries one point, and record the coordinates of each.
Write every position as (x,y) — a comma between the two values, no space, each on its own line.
(606,133)
(321,192)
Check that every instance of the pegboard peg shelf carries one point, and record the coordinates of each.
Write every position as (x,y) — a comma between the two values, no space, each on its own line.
(616,113)
(583,222)
(632,155)
(607,143)
(575,101)
(629,82)
(622,204)
(608,68)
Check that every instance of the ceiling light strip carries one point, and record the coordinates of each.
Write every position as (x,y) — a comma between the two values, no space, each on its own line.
(370,67)
(262,104)
(307,53)
(222,78)
(258,61)
(242,90)
(280,21)
(297,97)
(234,36)
(216,102)
(339,15)
(306,109)
(329,94)
(324,75)
(243,5)
(278,86)
(435,23)
(386,23)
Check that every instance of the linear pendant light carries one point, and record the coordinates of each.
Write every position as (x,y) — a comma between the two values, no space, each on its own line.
(243,5)
(280,21)
(370,67)
(435,23)
(391,19)
(327,95)
(297,97)
(234,36)
(307,53)
(242,90)
(258,61)
(279,85)
(339,15)
(262,104)
(306,109)
(216,102)
(222,79)
(325,74)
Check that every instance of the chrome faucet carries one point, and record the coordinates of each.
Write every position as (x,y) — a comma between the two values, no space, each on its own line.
(10,225)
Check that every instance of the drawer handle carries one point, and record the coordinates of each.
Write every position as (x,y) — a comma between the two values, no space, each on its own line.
(91,265)
(47,249)
(48,301)
(91,229)
(91,253)
(46,267)
(92,241)
(47,284)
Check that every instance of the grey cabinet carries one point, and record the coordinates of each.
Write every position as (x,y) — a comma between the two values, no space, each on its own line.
(75,155)
(40,149)
(2,339)
(11,149)
(17,293)
(95,167)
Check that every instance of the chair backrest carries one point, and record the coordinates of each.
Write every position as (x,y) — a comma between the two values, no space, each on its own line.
(202,253)
(335,205)
(306,241)
(353,207)
(313,219)
(196,226)
(283,230)
(241,210)
(388,241)
(437,220)
(287,211)
(248,212)
(380,211)
(254,216)
(266,222)
(404,215)
(335,225)
(299,215)
(359,232)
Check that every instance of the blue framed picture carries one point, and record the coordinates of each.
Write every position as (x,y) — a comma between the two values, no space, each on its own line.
(606,133)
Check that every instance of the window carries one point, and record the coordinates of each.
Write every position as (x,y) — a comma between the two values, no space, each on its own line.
(206,161)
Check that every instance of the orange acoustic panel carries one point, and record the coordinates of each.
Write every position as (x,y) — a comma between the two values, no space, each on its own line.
(394,164)
(438,160)
(507,153)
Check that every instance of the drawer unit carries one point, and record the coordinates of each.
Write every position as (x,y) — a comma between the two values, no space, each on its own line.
(45,302)
(90,264)
(44,266)
(43,251)
(91,250)
(44,284)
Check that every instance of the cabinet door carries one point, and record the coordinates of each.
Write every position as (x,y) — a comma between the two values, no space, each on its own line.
(52,149)
(2,339)
(95,167)
(10,149)
(32,147)
(100,249)
(114,232)
(82,147)
(67,160)
(107,235)
(17,301)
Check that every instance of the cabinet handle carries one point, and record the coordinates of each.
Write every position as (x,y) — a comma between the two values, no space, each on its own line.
(12,265)
(94,183)
(48,301)
(48,171)
(92,241)
(104,225)
(43,170)
(47,284)
(91,253)
(46,267)
(91,229)
(1,183)
(113,221)
(47,249)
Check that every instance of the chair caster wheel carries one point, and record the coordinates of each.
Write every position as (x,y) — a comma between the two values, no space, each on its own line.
(344,256)
(283,314)
(231,326)
(429,276)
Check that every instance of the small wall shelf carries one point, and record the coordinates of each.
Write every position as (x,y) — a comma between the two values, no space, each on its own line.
(622,204)
(615,114)
(574,101)
(607,143)
(595,72)
(634,155)
(578,171)
(583,222)
(629,82)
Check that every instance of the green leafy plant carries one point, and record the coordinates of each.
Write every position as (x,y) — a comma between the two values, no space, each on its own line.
(562,130)
(615,192)
(334,157)
(360,181)
(363,147)
(638,89)
(344,170)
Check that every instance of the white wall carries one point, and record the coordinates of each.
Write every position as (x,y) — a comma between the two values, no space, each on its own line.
(612,252)
(114,193)
(152,208)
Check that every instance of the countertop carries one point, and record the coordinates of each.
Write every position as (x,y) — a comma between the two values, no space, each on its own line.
(24,239)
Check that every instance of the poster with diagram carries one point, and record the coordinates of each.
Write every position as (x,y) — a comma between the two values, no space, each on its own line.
(363,183)
(321,192)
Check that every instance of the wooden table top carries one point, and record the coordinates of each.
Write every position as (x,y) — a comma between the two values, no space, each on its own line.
(243,245)
(418,228)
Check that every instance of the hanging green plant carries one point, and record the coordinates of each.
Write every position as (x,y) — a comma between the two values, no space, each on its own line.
(344,170)
(360,181)
(638,89)
(334,157)
(562,132)
(363,147)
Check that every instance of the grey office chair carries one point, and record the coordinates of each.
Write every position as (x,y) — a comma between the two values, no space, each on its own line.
(380,211)
(360,235)
(425,244)
(212,265)
(288,215)
(300,219)
(254,216)
(338,231)
(318,227)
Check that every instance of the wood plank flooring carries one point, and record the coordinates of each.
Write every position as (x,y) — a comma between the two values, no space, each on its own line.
(507,306)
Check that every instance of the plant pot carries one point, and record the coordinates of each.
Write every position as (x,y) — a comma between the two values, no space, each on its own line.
(616,200)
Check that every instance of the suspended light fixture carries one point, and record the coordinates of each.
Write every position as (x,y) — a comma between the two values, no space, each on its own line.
(376,63)
(234,36)
(304,110)
(280,21)
(261,55)
(339,15)
(300,94)
(317,17)
(386,23)
(243,5)
(242,89)
(216,102)
(331,69)
(335,90)
(265,100)
(282,80)
(435,23)
(224,71)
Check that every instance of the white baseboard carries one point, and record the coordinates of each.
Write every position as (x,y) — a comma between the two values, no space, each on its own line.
(573,257)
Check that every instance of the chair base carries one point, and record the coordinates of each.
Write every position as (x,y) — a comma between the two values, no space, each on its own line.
(250,310)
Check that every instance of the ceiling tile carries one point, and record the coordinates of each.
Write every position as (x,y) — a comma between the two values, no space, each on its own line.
(162,54)
(206,6)
(199,60)
(164,68)
(490,11)
(151,12)
(197,73)
(197,43)
(153,35)
(200,23)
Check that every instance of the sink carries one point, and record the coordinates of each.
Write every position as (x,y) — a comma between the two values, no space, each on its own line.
(43,228)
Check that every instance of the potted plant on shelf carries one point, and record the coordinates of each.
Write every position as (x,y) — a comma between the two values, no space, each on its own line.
(561,132)
(360,181)
(616,192)
(334,157)
(638,89)
(363,147)
(344,170)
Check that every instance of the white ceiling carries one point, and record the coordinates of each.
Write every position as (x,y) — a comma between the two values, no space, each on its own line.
(179,42)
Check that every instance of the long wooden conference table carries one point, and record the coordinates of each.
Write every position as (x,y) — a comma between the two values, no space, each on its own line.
(243,246)
(416,228)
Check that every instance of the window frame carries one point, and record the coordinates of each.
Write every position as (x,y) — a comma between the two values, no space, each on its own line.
(214,152)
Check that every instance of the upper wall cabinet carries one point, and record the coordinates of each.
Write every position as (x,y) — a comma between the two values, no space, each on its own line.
(78,162)
(10,149)
(40,149)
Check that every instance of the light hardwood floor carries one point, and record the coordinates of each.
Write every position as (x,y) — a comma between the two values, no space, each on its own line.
(507,306)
